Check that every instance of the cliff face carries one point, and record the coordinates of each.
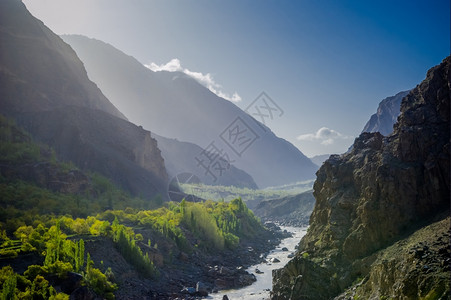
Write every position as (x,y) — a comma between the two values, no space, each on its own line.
(46,90)
(383,189)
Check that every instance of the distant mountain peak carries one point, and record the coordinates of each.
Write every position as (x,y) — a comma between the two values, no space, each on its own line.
(386,116)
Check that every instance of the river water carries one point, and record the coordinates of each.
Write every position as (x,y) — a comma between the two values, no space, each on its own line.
(259,290)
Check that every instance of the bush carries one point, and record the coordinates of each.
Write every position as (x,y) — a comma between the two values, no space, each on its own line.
(231,240)
(35,270)
(59,268)
(99,281)
(8,253)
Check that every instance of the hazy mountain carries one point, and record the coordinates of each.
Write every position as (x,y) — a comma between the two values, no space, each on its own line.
(319,159)
(292,210)
(381,218)
(45,88)
(175,105)
(387,114)
(179,157)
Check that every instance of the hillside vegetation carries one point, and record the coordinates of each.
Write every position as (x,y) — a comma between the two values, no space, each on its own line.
(51,213)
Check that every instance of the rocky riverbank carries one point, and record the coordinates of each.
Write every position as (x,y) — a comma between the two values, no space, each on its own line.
(188,276)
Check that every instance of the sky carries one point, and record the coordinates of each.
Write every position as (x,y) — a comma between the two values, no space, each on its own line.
(326,64)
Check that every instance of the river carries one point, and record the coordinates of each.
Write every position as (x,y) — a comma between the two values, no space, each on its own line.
(259,290)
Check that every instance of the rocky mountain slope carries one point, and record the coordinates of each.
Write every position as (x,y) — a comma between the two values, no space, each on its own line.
(179,157)
(45,88)
(387,114)
(381,192)
(290,210)
(175,105)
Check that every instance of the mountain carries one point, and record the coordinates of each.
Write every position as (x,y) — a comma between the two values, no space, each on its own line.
(380,225)
(45,89)
(290,210)
(175,105)
(319,159)
(387,114)
(179,158)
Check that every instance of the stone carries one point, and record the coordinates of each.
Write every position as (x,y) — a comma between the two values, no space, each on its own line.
(201,289)
(246,279)
(188,290)
(226,271)
(222,284)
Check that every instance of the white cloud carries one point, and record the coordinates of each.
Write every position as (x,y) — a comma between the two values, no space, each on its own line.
(206,80)
(172,66)
(324,135)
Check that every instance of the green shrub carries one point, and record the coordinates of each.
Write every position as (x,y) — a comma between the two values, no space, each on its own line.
(9,287)
(8,253)
(99,281)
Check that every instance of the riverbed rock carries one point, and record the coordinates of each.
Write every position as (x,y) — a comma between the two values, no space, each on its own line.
(201,289)
(226,271)
(222,284)
(188,290)
(246,279)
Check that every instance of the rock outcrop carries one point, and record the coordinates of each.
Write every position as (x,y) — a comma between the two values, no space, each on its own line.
(412,268)
(382,190)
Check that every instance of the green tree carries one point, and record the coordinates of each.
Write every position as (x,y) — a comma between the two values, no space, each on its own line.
(9,287)
(79,255)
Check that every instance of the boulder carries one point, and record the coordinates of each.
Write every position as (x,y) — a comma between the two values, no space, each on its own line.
(201,289)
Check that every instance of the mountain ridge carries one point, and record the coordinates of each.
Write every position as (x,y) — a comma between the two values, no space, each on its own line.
(45,89)
(175,105)
(179,158)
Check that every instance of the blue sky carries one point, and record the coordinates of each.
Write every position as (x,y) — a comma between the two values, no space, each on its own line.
(327,64)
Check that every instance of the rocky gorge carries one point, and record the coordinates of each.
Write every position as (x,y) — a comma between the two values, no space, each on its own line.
(381,193)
